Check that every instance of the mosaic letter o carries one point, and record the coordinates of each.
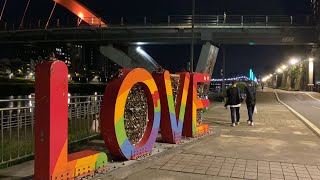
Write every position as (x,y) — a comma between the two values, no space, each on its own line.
(112,114)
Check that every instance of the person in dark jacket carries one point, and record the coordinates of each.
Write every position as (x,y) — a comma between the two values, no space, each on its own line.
(234,101)
(251,93)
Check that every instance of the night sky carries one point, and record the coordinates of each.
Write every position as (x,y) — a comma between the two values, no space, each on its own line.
(174,57)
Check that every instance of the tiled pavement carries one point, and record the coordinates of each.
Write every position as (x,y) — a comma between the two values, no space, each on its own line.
(238,168)
(279,146)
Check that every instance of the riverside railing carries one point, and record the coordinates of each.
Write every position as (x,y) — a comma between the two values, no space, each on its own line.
(17,125)
(171,20)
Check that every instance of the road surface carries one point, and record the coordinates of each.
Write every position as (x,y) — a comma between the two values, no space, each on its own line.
(305,103)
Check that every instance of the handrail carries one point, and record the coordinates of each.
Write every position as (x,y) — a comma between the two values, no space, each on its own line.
(217,20)
(16,108)
(32,99)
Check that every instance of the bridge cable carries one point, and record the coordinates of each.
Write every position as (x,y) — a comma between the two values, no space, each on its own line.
(50,15)
(24,14)
(4,5)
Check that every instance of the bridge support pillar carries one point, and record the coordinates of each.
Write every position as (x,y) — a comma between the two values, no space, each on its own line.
(284,79)
(313,73)
(207,59)
(136,57)
(142,58)
(117,56)
(274,81)
(300,79)
(288,79)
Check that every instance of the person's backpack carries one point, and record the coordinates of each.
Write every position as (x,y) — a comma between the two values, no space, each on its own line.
(251,96)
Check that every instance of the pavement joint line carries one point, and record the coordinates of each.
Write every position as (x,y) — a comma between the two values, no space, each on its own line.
(248,159)
(310,125)
(316,107)
(312,97)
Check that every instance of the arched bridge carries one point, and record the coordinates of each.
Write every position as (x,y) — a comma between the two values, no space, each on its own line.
(220,29)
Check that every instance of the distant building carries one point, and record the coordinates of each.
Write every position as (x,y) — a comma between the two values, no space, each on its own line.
(84,63)
(100,65)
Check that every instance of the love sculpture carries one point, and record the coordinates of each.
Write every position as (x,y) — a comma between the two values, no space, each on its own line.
(51,126)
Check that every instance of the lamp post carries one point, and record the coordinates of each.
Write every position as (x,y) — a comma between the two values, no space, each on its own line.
(224,69)
(311,72)
(279,71)
(4,6)
(192,31)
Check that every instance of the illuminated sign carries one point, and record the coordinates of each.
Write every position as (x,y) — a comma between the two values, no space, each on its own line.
(51,135)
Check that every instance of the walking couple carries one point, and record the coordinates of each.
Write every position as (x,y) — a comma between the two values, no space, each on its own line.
(234,100)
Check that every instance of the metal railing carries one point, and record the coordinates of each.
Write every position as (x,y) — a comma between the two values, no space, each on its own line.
(172,20)
(17,125)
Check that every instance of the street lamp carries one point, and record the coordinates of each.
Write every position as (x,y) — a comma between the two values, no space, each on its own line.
(311,59)
(311,74)
(279,70)
(283,67)
(192,32)
(293,61)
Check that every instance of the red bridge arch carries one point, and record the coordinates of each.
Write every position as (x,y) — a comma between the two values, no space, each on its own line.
(82,12)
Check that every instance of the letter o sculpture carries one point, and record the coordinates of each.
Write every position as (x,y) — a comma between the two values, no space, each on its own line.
(112,114)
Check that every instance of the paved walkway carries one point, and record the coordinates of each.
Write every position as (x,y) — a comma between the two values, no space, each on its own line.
(279,146)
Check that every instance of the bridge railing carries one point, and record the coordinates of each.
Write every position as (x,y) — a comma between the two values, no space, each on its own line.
(17,125)
(172,20)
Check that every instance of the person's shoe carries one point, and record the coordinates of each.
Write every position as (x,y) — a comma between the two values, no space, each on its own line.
(251,124)
(233,124)
(237,123)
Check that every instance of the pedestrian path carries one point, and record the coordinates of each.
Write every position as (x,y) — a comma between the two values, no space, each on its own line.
(279,146)
(238,168)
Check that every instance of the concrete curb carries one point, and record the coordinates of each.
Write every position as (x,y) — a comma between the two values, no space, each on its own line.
(312,97)
(311,126)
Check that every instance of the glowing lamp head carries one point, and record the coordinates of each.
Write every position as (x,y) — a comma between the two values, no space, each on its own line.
(279,70)
(80,15)
(283,67)
(293,61)
(311,59)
